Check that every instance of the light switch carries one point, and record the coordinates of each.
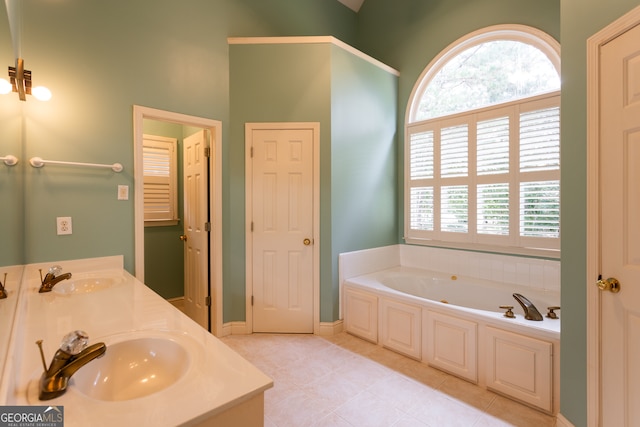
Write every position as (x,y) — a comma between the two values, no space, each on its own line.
(123,192)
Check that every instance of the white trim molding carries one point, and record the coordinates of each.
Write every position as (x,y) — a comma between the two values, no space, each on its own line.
(328,329)
(562,421)
(594,44)
(313,40)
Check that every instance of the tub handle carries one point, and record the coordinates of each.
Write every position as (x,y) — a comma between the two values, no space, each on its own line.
(509,312)
(551,314)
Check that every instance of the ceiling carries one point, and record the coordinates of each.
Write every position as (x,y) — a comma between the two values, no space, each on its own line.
(352,4)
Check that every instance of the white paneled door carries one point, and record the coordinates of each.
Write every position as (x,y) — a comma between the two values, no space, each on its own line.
(282,229)
(196,233)
(620,230)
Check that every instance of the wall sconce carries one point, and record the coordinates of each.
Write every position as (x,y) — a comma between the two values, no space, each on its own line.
(20,82)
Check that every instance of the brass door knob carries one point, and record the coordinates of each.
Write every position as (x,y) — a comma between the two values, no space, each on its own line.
(306,241)
(610,284)
(183,237)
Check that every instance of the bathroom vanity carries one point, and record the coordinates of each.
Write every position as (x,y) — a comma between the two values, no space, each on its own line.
(160,368)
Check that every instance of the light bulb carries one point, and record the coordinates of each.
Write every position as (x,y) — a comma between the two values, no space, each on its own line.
(41,93)
(5,87)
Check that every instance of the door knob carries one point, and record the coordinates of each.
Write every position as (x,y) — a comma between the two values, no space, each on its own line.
(183,237)
(306,241)
(610,284)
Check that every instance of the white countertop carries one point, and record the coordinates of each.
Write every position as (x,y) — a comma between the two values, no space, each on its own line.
(218,378)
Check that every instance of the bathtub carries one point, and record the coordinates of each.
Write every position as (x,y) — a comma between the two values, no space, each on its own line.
(454,323)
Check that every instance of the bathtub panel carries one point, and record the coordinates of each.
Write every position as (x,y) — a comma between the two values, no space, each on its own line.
(521,367)
(400,327)
(361,314)
(451,344)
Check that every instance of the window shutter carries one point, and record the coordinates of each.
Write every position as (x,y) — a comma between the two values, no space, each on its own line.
(160,179)
(454,147)
(493,146)
(540,140)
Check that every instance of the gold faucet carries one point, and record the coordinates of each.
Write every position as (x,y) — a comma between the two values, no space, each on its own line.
(72,355)
(52,278)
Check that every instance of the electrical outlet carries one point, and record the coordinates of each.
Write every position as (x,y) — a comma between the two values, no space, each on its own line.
(63,225)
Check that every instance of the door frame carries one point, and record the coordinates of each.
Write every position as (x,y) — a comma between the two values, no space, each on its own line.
(215,200)
(594,45)
(249,128)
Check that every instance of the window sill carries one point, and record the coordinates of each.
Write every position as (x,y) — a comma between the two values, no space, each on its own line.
(479,247)
(162,223)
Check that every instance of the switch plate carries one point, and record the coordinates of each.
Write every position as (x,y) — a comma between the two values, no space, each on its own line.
(123,192)
(64,225)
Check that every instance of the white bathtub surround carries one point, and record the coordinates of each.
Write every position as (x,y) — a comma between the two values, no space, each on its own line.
(217,388)
(531,272)
(515,357)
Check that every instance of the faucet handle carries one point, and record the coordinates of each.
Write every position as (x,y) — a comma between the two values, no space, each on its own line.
(55,270)
(74,342)
(509,312)
(551,314)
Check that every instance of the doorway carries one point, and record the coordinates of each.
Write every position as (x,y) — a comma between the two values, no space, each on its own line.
(282,234)
(214,129)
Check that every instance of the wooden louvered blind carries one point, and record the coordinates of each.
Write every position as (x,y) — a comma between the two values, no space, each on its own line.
(160,180)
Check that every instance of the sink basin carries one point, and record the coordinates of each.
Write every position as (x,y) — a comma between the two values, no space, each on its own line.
(132,369)
(86,284)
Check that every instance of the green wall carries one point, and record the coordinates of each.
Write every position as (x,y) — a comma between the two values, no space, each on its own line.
(363,162)
(97,71)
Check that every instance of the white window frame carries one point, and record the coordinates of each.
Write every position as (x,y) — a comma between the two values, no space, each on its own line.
(169,217)
(512,244)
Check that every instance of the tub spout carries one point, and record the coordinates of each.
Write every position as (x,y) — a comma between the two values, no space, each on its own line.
(530,310)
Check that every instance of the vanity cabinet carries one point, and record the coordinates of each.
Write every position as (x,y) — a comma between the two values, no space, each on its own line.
(450,344)
(520,367)
(361,314)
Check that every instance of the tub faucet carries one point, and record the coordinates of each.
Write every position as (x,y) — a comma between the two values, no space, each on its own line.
(530,310)
(72,355)
(52,278)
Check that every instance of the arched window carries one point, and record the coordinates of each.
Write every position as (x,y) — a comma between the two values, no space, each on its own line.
(482,145)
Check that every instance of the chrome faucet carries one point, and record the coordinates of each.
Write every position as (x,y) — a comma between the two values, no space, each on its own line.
(72,355)
(52,278)
(530,310)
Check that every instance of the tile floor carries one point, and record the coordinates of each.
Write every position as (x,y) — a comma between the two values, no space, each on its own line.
(345,381)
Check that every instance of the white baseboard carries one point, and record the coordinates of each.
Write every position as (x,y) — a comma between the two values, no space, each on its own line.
(240,328)
(327,329)
(234,328)
(562,421)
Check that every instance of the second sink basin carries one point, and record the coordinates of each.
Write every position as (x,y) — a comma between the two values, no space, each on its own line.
(133,368)
(85,283)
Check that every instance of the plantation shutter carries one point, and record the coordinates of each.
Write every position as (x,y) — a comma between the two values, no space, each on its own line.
(160,179)
(493,177)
